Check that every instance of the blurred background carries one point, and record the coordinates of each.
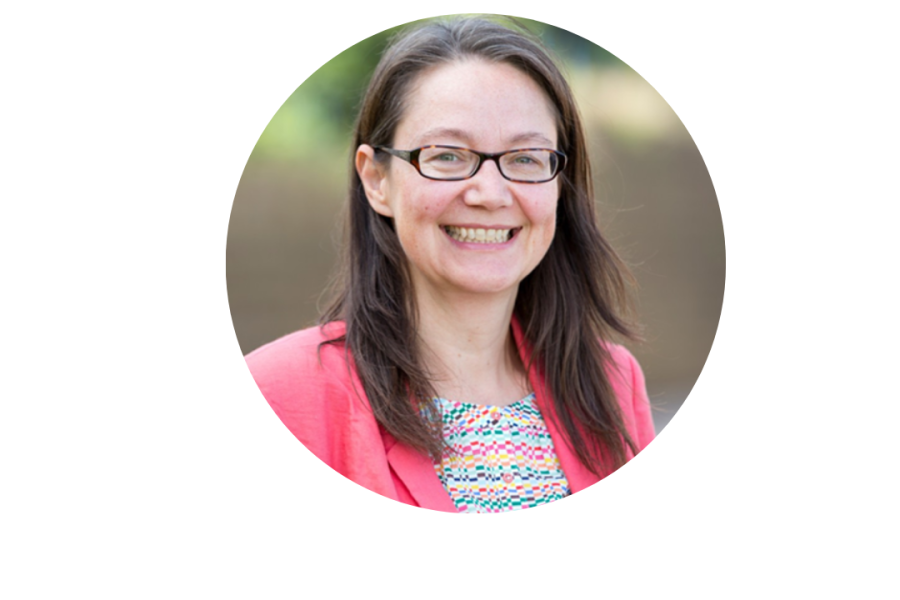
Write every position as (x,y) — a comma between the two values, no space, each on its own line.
(655,199)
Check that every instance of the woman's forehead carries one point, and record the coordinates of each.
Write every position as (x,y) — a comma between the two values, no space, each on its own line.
(475,102)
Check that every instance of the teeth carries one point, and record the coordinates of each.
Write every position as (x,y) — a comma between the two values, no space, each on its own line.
(482,236)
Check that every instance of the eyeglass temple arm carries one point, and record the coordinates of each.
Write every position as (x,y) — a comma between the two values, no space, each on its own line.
(404,154)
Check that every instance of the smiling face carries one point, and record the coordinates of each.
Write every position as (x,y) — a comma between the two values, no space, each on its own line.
(489,107)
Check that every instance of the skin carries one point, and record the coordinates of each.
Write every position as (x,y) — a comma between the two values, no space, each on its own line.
(465,293)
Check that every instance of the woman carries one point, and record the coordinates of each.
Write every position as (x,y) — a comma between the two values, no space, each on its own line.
(465,364)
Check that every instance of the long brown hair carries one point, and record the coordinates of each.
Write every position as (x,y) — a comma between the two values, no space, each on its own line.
(577,296)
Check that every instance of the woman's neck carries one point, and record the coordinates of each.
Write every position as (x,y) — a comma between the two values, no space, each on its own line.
(468,348)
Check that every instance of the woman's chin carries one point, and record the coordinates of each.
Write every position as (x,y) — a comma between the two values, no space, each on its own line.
(486,286)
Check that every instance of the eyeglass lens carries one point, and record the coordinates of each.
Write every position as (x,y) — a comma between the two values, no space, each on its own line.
(451,163)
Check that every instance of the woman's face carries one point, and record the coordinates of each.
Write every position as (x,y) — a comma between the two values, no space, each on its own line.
(489,107)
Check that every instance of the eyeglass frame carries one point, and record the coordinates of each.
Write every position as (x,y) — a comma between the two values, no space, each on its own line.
(412,157)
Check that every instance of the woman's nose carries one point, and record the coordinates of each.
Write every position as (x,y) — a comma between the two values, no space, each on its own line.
(488,188)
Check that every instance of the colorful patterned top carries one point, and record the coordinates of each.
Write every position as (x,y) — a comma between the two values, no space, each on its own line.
(499,458)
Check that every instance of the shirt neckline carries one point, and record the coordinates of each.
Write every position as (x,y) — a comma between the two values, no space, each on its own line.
(529,399)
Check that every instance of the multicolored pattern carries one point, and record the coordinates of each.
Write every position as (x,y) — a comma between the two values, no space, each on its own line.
(499,458)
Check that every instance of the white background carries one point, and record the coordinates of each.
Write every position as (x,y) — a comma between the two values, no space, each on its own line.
(139,459)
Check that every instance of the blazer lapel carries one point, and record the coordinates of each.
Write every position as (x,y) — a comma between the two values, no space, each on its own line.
(416,471)
(578,476)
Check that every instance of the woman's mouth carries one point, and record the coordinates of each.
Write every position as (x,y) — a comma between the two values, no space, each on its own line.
(479,235)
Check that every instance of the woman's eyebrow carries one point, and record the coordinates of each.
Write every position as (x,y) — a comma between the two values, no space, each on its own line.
(444,132)
(532,137)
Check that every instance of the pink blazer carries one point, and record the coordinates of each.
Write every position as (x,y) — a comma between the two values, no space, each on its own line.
(324,405)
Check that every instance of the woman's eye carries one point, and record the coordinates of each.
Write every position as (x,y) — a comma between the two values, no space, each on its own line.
(527,160)
(447,157)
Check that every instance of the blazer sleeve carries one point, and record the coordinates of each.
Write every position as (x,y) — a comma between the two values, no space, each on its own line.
(631,390)
(643,417)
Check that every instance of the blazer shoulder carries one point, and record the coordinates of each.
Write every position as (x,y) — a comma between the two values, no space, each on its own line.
(623,361)
(301,370)
(299,353)
(313,388)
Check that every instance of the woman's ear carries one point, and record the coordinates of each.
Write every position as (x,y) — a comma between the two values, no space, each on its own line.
(374,179)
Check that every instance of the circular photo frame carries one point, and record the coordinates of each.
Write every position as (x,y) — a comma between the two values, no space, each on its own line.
(289,257)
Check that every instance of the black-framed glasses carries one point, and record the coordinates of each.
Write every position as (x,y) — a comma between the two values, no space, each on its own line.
(452,163)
